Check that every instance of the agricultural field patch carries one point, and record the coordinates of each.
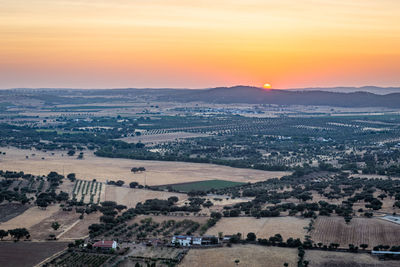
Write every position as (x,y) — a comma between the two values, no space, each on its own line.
(103,169)
(11,210)
(154,138)
(43,229)
(162,218)
(319,258)
(146,256)
(248,255)
(23,254)
(30,217)
(202,185)
(151,227)
(79,230)
(263,227)
(130,197)
(166,253)
(372,231)
(80,259)
(89,192)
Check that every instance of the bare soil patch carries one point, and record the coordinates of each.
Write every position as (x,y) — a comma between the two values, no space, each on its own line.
(319,258)
(27,253)
(248,255)
(359,231)
(263,227)
(11,210)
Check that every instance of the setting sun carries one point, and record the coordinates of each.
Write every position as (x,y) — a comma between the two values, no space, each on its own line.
(267,86)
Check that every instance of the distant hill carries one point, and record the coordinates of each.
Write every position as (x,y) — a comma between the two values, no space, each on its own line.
(255,95)
(338,96)
(368,89)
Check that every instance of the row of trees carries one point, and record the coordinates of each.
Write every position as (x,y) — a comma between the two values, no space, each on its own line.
(17,233)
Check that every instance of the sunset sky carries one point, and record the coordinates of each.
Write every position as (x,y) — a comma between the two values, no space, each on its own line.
(199,43)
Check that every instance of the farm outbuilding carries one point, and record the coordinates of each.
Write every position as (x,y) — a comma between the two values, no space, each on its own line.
(106,244)
(182,240)
(197,241)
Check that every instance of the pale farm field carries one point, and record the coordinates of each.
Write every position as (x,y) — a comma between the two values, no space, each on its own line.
(319,258)
(38,222)
(42,229)
(103,169)
(248,255)
(130,197)
(263,227)
(80,229)
(30,217)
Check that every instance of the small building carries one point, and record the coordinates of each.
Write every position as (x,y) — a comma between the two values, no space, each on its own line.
(226,238)
(197,241)
(182,240)
(105,244)
(209,240)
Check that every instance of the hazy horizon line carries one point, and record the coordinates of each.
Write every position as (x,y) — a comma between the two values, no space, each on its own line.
(194,88)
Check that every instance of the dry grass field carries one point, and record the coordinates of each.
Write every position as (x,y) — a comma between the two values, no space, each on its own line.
(263,227)
(30,217)
(359,231)
(38,222)
(103,169)
(248,255)
(341,259)
(41,230)
(156,252)
(80,229)
(130,197)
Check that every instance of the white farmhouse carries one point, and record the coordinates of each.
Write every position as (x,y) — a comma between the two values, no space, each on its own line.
(182,240)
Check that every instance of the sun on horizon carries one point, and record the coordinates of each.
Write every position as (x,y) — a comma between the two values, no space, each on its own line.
(267,86)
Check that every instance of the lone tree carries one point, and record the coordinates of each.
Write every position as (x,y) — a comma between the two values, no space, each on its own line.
(133,184)
(3,233)
(364,246)
(251,236)
(55,226)
(140,169)
(71,177)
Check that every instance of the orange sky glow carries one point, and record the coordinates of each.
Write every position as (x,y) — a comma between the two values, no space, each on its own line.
(199,43)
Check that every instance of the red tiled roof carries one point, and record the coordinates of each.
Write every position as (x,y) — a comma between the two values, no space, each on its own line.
(103,244)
